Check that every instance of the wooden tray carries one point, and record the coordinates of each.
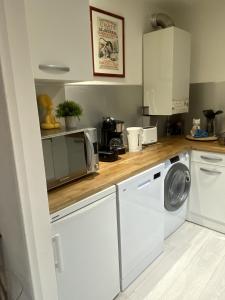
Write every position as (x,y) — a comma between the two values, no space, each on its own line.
(203,139)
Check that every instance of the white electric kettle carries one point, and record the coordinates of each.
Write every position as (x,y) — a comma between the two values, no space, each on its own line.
(135,136)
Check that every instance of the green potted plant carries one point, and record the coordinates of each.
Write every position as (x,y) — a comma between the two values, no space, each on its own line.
(71,111)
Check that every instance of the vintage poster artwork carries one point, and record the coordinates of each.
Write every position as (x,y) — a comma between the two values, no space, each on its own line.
(107,43)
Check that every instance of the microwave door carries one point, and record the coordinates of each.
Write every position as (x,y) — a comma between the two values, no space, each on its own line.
(60,157)
(48,159)
(90,152)
(76,154)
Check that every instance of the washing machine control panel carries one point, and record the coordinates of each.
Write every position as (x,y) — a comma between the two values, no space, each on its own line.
(175,159)
(182,157)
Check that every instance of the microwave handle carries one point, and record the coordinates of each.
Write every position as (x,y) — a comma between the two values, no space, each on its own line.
(90,152)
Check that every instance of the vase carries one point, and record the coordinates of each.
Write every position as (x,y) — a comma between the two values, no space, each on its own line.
(70,122)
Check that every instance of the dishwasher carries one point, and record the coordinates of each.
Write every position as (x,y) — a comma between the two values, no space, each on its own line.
(141,222)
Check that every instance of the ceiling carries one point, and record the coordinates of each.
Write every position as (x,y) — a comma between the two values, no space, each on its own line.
(172,3)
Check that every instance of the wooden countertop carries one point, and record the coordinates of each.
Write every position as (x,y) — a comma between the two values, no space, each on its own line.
(129,164)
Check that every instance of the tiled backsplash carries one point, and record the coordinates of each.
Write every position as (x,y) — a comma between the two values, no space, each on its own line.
(121,102)
(206,96)
(125,102)
(202,96)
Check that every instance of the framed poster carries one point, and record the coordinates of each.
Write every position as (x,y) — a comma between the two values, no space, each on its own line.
(107,33)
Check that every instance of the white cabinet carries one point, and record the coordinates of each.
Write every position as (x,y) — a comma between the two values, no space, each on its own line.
(85,243)
(60,42)
(207,197)
(166,71)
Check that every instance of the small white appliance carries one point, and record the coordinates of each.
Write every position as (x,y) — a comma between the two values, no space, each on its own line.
(177,184)
(134,136)
(85,243)
(149,135)
(141,222)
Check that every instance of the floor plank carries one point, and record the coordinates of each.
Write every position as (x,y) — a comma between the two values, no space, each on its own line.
(191,267)
(215,287)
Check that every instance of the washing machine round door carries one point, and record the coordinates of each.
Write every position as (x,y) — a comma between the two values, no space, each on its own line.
(176,186)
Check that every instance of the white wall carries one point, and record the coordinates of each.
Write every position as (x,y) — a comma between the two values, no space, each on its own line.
(24,204)
(137,21)
(11,223)
(205,20)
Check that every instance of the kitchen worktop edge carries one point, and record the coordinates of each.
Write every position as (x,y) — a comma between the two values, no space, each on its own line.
(128,165)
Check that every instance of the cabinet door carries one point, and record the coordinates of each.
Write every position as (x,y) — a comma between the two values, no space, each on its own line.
(181,70)
(167,71)
(207,197)
(86,252)
(59,34)
(158,71)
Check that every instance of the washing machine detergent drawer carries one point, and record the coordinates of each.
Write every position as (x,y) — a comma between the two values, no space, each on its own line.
(141,221)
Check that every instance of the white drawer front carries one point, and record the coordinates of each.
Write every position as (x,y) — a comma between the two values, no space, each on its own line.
(207,193)
(208,157)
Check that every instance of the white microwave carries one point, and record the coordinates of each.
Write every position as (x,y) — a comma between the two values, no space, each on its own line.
(69,155)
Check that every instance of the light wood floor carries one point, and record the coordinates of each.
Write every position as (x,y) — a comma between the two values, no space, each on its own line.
(191,267)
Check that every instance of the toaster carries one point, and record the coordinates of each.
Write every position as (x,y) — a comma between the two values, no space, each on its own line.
(149,135)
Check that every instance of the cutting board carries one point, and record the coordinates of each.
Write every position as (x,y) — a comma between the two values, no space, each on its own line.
(203,139)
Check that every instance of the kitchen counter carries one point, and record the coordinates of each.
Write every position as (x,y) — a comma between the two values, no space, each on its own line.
(129,164)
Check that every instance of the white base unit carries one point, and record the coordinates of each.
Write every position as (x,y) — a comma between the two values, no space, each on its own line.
(207,198)
(141,222)
(85,242)
(166,66)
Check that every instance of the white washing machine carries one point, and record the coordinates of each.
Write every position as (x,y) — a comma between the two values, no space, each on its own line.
(141,222)
(177,183)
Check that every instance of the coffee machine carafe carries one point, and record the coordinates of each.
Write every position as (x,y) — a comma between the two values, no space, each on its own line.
(111,139)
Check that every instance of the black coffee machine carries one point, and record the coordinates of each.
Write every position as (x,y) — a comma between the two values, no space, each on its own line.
(210,117)
(111,139)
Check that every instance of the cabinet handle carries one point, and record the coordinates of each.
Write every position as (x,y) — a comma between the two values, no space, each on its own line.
(54,67)
(211,158)
(64,178)
(213,172)
(56,240)
(144,184)
(90,152)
